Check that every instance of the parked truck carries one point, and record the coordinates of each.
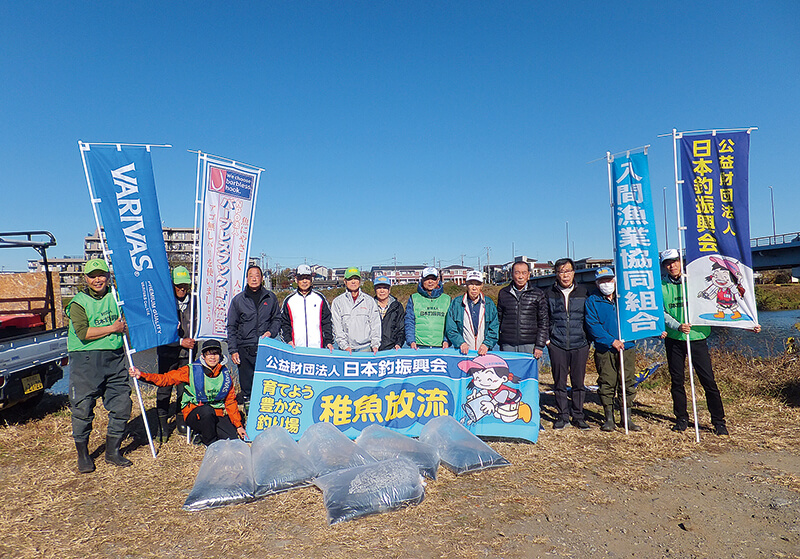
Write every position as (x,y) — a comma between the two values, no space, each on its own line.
(33,335)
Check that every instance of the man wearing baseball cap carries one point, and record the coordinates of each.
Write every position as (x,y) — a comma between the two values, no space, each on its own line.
(97,365)
(678,329)
(471,322)
(426,312)
(603,329)
(393,331)
(356,319)
(175,355)
(306,315)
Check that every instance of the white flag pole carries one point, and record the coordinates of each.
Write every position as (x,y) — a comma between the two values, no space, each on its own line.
(681,229)
(84,147)
(623,412)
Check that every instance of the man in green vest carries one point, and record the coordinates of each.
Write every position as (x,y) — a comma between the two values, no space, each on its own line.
(678,329)
(426,312)
(97,366)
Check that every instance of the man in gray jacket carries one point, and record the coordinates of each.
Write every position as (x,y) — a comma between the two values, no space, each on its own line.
(356,318)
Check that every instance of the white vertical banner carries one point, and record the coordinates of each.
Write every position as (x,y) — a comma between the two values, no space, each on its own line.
(227,193)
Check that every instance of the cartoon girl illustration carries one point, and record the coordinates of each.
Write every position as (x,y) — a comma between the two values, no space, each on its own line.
(725,285)
(490,393)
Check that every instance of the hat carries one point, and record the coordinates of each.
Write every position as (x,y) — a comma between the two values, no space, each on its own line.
(210,344)
(487,361)
(381,280)
(95,264)
(604,272)
(352,273)
(670,254)
(304,270)
(180,276)
(429,271)
(474,275)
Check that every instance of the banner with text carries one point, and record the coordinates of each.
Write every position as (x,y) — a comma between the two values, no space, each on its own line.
(229,201)
(641,307)
(719,269)
(124,191)
(493,395)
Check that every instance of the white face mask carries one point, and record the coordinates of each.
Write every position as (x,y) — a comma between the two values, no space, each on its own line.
(606,288)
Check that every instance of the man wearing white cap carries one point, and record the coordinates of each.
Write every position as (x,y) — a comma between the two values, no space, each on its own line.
(678,328)
(306,315)
(426,312)
(603,329)
(471,322)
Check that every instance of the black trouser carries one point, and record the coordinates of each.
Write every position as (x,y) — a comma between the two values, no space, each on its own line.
(211,426)
(247,367)
(96,373)
(701,362)
(169,359)
(569,363)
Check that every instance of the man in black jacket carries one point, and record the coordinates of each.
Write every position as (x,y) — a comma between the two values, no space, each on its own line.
(568,346)
(522,310)
(254,313)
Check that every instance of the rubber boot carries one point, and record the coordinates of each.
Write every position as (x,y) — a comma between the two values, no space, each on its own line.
(85,462)
(180,423)
(163,429)
(113,455)
(609,424)
(631,425)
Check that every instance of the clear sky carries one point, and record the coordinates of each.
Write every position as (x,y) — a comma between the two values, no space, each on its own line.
(413,129)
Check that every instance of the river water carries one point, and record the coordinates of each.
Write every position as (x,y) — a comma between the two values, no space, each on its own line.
(776,326)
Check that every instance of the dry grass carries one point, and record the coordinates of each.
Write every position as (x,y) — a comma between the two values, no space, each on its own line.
(51,511)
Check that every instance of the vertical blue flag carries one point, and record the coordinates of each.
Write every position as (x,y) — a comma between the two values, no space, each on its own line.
(641,306)
(719,269)
(122,180)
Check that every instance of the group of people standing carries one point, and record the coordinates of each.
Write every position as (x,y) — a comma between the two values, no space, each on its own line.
(563,319)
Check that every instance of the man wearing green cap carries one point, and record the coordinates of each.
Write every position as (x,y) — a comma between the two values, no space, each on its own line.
(356,319)
(97,365)
(176,355)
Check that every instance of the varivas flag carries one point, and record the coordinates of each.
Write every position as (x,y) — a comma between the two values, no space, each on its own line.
(123,190)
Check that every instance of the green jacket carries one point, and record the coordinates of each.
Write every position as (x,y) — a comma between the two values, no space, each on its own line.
(673,313)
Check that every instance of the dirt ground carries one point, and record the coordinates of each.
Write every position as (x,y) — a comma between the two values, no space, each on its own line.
(573,494)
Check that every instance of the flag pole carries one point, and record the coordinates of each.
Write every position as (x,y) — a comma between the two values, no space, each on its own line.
(623,411)
(681,229)
(84,147)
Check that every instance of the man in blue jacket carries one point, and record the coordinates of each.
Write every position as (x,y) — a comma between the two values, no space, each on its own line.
(603,329)
(471,322)
(254,313)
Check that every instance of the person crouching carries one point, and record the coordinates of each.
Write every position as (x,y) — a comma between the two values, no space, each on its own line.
(209,400)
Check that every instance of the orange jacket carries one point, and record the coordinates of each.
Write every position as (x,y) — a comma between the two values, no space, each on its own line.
(177,376)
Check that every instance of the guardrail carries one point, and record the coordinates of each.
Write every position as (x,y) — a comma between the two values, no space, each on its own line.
(774,240)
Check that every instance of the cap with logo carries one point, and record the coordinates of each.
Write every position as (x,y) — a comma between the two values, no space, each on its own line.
(94,265)
(381,280)
(430,271)
(352,273)
(670,254)
(604,272)
(181,276)
(474,275)
(304,270)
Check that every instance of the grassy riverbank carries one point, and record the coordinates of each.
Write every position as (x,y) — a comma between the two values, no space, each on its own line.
(778,297)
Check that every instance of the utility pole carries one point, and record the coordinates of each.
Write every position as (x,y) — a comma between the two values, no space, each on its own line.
(666,229)
(567,239)
(772,201)
(462,259)
(488,265)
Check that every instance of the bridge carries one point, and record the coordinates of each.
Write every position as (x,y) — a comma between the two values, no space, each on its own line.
(769,253)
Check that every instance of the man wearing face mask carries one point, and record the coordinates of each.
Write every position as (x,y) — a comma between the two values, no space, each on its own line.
(603,329)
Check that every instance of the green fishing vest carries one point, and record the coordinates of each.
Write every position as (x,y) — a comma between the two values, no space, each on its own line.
(673,305)
(100,312)
(429,317)
(212,386)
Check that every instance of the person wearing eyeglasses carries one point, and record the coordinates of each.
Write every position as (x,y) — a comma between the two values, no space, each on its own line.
(568,346)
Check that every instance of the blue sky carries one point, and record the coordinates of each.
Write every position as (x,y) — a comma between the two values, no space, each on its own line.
(419,130)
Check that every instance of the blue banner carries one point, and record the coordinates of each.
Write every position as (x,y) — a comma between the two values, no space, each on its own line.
(719,269)
(641,306)
(123,185)
(493,395)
